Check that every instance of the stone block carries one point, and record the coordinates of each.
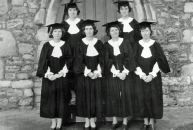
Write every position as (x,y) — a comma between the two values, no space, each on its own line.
(33,4)
(44,4)
(17,2)
(14,93)
(25,102)
(40,17)
(188,34)
(168,101)
(12,68)
(21,76)
(2,64)
(28,93)
(22,84)
(42,34)
(25,48)
(186,16)
(14,23)
(5,84)
(38,84)
(192,22)
(10,76)
(19,10)
(171,47)
(187,70)
(37,99)
(37,91)
(12,105)
(28,57)
(26,68)
(25,108)
(3,102)
(2,94)
(14,99)
(185,80)
(7,44)
(4,7)
(188,7)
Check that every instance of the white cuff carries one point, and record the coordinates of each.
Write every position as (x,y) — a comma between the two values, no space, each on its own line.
(125,70)
(48,72)
(86,71)
(139,72)
(155,70)
(114,71)
(64,71)
(98,71)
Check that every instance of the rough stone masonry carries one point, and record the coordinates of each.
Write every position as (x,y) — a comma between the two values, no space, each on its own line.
(22,35)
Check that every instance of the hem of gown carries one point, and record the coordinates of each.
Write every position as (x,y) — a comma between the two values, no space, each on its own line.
(50,117)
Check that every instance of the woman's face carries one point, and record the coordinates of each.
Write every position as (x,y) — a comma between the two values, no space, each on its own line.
(145,33)
(57,34)
(72,12)
(89,31)
(114,32)
(124,10)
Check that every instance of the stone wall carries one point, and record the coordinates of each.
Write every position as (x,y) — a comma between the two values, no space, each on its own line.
(22,35)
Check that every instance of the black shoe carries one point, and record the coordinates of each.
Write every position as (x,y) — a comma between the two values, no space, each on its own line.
(57,128)
(151,127)
(144,127)
(113,126)
(93,128)
(86,128)
(52,128)
(124,127)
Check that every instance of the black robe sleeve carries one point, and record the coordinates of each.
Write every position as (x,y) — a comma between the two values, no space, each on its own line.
(79,65)
(137,34)
(42,64)
(161,59)
(107,60)
(67,55)
(101,55)
(129,60)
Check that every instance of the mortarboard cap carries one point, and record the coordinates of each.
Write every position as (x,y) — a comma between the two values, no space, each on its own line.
(89,21)
(71,4)
(54,26)
(123,3)
(146,24)
(112,24)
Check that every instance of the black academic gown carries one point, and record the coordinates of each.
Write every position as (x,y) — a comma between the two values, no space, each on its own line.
(118,94)
(134,36)
(55,95)
(89,91)
(74,41)
(150,95)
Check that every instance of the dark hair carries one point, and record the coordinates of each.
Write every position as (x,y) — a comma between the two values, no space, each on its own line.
(144,27)
(124,5)
(73,6)
(62,29)
(116,26)
(89,24)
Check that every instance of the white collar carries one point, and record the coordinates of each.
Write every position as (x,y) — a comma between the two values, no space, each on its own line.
(146,52)
(73,22)
(125,20)
(115,45)
(91,50)
(56,51)
(73,29)
(126,25)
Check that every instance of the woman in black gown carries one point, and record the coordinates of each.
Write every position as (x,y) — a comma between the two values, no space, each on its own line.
(130,26)
(119,62)
(73,26)
(89,67)
(150,61)
(52,67)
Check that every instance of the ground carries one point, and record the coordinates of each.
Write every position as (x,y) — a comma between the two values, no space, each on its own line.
(175,118)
